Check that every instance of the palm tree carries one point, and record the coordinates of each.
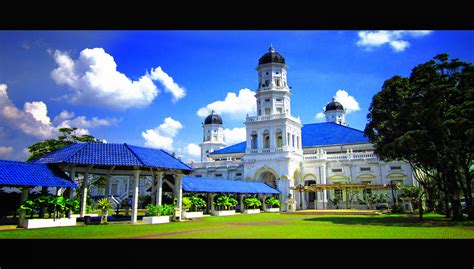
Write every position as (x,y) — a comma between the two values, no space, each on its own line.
(104,205)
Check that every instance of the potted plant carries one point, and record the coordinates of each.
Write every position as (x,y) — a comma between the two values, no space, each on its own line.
(104,205)
(224,205)
(251,205)
(158,214)
(195,205)
(57,206)
(273,204)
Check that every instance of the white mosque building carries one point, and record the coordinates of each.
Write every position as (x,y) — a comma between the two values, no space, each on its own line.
(284,153)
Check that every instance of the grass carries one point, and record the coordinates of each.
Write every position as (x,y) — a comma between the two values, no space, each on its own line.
(268,225)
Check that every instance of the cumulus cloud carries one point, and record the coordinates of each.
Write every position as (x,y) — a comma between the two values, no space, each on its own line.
(320,116)
(94,79)
(396,39)
(22,127)
(168,83)
(162,136)
(5,150)
(193,150)
(347,101)
(234,136)
(236,106)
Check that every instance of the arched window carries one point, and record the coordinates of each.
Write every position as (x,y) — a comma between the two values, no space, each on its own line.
(253,140)
(266,139)
(279,137)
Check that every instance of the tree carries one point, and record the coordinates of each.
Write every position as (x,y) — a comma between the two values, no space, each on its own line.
(427,120)
(104,205)
(67,137)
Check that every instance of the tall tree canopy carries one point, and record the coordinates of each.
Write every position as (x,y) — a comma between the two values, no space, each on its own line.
(428,120)
(67,137)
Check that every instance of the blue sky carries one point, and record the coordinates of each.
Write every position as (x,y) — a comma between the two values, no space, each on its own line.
(173,74)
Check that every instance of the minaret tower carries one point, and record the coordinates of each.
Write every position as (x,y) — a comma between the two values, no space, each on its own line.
(335,112)
(213,136)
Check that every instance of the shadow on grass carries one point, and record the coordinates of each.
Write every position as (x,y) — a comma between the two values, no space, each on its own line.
(387,220)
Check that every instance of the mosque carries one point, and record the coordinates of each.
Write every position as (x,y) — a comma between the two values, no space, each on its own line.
(284,153)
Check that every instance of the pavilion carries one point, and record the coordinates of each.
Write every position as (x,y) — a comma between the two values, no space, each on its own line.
(119,159)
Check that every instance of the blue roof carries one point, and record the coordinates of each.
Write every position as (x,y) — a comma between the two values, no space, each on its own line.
(200,184)
(330,133)
(110,154)
(313,135)
(14,173)
(240,147)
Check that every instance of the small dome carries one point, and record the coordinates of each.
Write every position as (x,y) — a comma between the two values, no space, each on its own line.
(334,105)
(213,119)
(271,57)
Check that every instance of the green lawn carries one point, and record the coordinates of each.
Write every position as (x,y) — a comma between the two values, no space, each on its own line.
(268,225)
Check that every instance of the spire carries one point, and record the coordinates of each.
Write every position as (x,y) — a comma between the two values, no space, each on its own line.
(271,49)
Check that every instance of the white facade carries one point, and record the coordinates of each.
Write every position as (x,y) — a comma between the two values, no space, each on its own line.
(274,152)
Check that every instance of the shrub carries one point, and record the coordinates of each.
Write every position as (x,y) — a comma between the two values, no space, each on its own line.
(225,202)
(104,206)
(186,203)
(152,210)
(166,210)
(197,203)
(273,202)
(397,208)
(252,202)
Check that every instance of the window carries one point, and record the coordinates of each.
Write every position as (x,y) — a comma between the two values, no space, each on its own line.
(266,139)
(218,175)
(267,83)
(277,73)
(298,142)
(279,140)
(253,140)
(397,167)
(238,174)
(277,82)
(267,100)
(267,111)
(259,112)
(279,110)
(337,170)
(198,175)
(293,140)
(266,73)
(364,169)
(278,100)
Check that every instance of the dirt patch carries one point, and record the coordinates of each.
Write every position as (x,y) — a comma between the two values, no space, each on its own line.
(151,236)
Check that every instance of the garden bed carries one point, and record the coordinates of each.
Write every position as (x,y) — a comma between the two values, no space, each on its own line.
(47,223)
(251,211)
(223,212)
(156,219)
(192,215)
(272,210)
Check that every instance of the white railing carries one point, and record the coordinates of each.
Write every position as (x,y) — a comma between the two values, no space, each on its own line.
(272,117)
(226,163)
(270,150)
(340,156)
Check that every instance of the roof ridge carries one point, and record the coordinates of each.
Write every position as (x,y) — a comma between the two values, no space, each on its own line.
(176,158)
(133,152)
(73,143)
(333,123)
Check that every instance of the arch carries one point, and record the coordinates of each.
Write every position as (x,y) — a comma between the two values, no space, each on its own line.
(279,138)
(263,169)
(366,176)
(396,175)
(283,177)
(266,139)
(338,177)
(297,176)
(310,175)
(268,178)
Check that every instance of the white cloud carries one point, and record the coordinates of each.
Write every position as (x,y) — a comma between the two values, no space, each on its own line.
(396,39)
(347,101)
(162,136)
(320,116)
(234,136)
(168,83)
(236,106)
(94,79)
(21,128)
(5,150)
(193,150)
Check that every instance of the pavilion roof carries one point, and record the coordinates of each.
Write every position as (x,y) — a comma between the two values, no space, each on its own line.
(200,184)
(13,173)
(110,154)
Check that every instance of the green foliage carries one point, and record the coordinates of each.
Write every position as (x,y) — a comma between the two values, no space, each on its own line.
(166,210)
(397,208)
(58,206)
(67,137)
(335,202)
(104,204)
(273,202)
(383,198)
(152,210)
(28,206)
(412,192)
(225,202)
(197,203)
(252,202)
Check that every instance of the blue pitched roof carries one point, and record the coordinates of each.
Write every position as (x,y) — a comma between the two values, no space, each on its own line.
(329,133)
(14,173)
(315,134)
(200,184)
(240,147)
(110,154)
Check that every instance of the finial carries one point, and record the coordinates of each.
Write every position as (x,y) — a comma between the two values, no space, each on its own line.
(212,112)
(334,99)
(271,49)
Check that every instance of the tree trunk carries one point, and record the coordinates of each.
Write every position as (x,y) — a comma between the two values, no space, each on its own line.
(420,207)
(468,195)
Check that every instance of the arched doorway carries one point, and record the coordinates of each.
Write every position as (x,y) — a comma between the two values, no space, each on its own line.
(269,178)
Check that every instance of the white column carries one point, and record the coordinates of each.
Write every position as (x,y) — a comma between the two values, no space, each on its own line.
(25,191)
(178,186)
(323,181)
(136,178)
(159,188)
(84,194)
